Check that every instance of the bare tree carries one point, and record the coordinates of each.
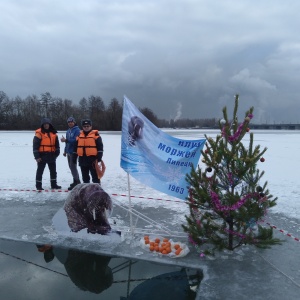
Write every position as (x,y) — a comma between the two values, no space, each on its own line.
(5,110)
(96,111)
(84,108)
(114,115)
(148,113)
(46,102)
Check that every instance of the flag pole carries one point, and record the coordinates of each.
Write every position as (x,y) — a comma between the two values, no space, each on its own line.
(130,208)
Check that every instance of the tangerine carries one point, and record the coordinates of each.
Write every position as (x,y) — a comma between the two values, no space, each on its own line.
(176,246)
(177,252)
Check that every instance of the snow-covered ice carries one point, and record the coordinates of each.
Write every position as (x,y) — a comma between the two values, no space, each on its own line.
(18,168)
(271,273)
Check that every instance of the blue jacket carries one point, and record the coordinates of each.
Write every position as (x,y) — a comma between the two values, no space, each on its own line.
(71,135)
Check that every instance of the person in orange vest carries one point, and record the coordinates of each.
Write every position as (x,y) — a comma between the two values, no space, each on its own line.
(45,151)
(89,148)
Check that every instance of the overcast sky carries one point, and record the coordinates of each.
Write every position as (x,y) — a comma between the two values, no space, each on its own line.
(179,58)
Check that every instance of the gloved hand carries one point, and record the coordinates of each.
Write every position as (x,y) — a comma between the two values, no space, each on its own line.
(38,160)
(65,154)
(74,158)
(57,153)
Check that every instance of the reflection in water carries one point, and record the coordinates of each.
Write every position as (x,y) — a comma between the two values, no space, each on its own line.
(48,252)
(90,272)
(174,285)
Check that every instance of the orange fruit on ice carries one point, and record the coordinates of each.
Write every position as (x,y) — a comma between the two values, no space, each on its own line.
(177,252)
(176,246)
(157,240)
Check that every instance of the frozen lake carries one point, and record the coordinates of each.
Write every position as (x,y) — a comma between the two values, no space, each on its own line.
(281,165)
(272,271)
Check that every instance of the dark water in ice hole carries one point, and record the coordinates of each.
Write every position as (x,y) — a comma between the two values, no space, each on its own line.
(30,272)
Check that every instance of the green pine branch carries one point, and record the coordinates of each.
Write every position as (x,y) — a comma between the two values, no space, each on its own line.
(227,200)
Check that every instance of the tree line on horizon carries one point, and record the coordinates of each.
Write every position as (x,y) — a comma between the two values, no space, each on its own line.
(26,114)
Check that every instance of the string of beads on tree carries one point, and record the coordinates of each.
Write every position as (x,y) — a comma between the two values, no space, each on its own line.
(227,201)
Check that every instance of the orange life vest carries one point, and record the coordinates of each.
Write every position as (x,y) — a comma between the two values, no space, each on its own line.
(47,140)
(87,143)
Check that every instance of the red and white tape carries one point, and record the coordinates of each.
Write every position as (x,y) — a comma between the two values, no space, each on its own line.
(25,190)
(66,191)
(284,232)
(148,198)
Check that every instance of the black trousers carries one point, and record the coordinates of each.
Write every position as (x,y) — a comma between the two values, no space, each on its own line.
(40,170)
(85,172)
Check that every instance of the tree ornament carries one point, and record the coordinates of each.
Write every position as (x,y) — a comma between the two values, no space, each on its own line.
(222,121)
(209,169)
(247,129)
(259,189)
(262,159)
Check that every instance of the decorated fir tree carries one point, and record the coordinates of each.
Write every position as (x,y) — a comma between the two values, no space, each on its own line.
(227,199)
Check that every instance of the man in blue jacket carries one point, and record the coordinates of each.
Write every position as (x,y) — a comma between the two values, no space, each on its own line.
(70,141)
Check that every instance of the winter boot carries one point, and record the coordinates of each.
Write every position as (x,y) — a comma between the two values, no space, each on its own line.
(72,185)
(54,185)
(38,185)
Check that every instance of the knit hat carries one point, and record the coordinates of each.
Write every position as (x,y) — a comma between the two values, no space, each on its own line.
(86,122)
(45,121)
(71,119)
